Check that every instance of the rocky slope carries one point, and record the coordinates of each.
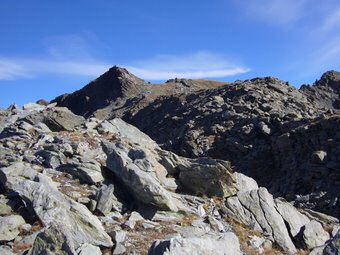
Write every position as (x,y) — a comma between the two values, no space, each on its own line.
(117,92)
(71,185)
(287,139)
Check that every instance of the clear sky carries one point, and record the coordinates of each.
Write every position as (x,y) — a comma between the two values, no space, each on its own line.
(51,47)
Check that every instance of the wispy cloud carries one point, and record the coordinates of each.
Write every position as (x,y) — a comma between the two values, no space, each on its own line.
(332,20)
(196,65)
(274,11)
(10,70)
(15,69)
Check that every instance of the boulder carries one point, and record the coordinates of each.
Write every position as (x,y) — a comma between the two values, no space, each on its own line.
(56,118)
(10,227)
(88,172)
(314,235)
(245,183)
(206,176)
(133,168)
(53,241)
(89,249)
(224,244)
(291,216)
(257,209)
(105,199)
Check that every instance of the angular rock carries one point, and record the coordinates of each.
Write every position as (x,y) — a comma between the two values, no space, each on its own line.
(10,227)
(5,250)
(136,174)
(105,199)
(257,209)
(52,241)
(89,249)
(56,118)
(225,244)
(314,235)
(72,219)
(291,216)
(245,183)
(118,236)
(88,172)
(207,177)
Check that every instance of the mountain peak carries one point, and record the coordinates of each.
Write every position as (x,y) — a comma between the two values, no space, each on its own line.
(115,84)
(330,79)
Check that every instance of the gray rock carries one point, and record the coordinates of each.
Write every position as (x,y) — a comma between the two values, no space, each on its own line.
(5,209)
(207,177)
(123,130)
(136,174)
(225,244)
(314,235)
(56,118)
(72,219)
(118,236)
(5,250)
(133,219)
(245,183)
(256,208)
(88,172)
(89,249)
(333,246)
(105,199)
(52,241)
(10,227)
(291,216)
(119,249)
(26,227)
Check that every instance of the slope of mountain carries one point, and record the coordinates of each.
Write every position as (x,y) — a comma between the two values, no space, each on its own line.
(70,185)
(117,91)
(287,139)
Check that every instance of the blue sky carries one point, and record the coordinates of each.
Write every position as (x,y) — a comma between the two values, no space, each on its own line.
(51,47)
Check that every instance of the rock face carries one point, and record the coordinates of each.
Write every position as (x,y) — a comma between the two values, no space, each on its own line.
(266,128)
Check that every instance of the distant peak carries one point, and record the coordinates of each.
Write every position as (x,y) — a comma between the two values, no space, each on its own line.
(331,75)
(120,73)
(329,79)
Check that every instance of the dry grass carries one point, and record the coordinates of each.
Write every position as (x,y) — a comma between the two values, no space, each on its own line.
(243,233)
(142,239)
(20,247)
(187,220)
(70,185)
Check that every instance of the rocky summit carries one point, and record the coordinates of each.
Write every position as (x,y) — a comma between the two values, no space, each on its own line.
(123,166)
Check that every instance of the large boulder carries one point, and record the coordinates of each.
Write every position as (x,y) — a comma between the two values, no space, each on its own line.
(224,244)
(56,118)
(293,218)
(206,176)
(257,208)
(314,235)
(134,169)
(52,207)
